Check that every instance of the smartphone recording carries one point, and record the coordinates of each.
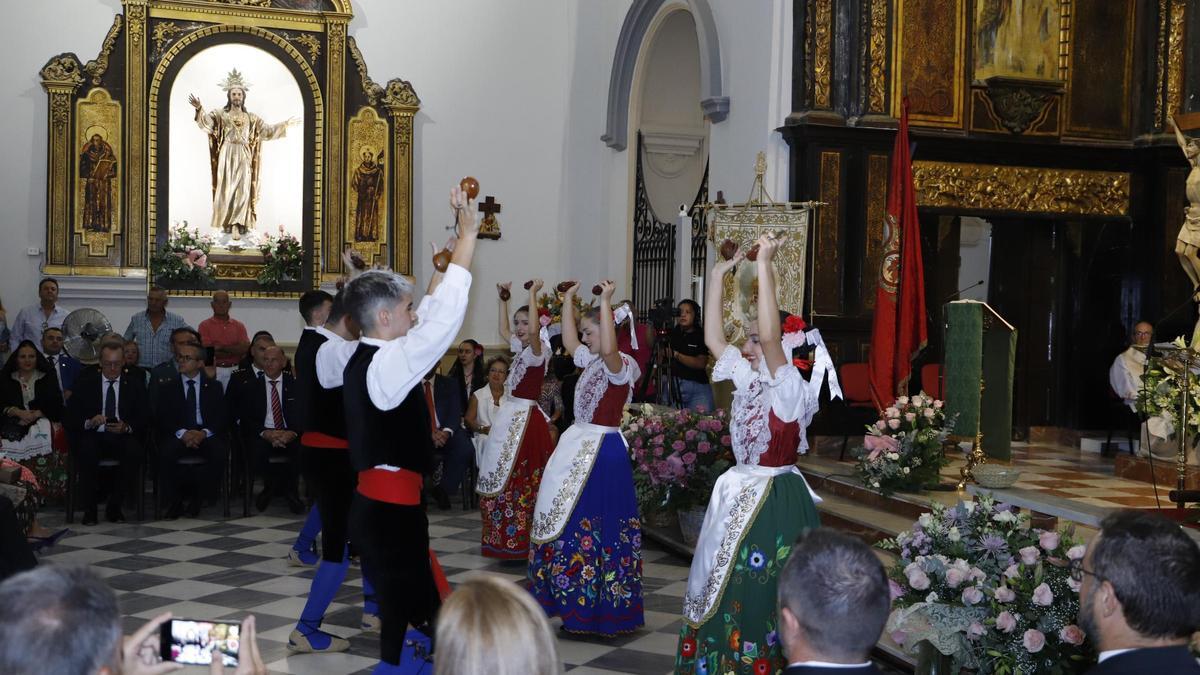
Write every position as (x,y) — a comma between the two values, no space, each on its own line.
(194,643)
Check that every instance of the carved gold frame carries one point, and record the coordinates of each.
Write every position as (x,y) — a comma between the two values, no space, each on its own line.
(151,34)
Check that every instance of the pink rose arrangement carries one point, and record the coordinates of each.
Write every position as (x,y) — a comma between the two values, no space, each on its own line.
(902,451)
(677,455)
(182,259)
(985,588)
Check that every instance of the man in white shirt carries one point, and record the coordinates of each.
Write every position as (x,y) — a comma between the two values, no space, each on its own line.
(1125,374)
(31,321)
(1139,595)
(833,604)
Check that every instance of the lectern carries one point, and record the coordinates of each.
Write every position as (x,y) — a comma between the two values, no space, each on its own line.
(981,350)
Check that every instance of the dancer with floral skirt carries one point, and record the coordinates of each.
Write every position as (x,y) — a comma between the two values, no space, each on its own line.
(518,444)
(762,504)
(586,561)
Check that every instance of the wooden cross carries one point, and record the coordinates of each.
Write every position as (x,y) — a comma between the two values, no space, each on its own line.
(489,227)
(489,207)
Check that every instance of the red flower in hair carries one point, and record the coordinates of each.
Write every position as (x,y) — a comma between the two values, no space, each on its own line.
(542,311)
(803,364)
(794,324)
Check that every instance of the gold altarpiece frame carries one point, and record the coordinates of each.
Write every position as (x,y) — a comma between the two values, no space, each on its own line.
(118,140)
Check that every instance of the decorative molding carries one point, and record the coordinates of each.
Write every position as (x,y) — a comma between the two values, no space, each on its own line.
(61,77)
(241,3)
(669,149)
(878,168)
(97,66)
(63,69)
(1160,54)
(102,285)
(986,187)
(1175,47)
(823,52)
(371,88)
(715,108)
(1018,104)
(308,42)
(136,134)
(400,94)
(827,288)
(163,33)
(877,87)
(402,104)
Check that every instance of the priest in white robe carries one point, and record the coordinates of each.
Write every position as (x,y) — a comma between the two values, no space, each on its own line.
(1125,374)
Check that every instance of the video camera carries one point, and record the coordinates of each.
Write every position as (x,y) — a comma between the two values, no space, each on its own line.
(662,315)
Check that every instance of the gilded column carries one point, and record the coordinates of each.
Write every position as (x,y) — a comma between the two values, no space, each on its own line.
(334,222)
(1175,48)
(402,104)
(61,77)
(136,187)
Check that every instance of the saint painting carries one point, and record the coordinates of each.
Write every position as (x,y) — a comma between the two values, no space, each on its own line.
(235,153)
(368,188)
(97,169)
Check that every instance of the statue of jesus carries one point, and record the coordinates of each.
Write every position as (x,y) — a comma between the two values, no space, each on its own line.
(235,137)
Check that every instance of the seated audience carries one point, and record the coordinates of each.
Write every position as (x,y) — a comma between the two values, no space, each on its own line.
(167,370)
(1139,595)
(154,328)
(467,371)
(132,354)
(66,367)
(32,406)
(225,336)
(105,416)
(486,401)
(450,440)
(191,421)
(253,358)
(1125,374)
(491,626)
(66,620)
(266,418)
(34,319)
(833,604)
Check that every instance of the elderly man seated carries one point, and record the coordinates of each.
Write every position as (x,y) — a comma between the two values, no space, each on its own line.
(1125,374)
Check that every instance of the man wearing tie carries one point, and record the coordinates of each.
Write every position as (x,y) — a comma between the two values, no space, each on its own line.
(266,419)
(449,437)
(191,421)
(103,415)
(65,366)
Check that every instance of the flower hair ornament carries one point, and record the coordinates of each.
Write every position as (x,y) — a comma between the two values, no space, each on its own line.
(797,334)
(621,314)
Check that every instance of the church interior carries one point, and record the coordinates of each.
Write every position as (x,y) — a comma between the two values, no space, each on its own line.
(988,210)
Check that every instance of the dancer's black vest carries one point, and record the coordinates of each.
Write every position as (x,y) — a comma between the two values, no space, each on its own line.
(321,409)
(399,437)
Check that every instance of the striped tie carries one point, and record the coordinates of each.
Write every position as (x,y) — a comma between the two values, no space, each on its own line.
(276,407)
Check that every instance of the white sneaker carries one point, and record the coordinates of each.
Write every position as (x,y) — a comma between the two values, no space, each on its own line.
(294,559)
(371,623)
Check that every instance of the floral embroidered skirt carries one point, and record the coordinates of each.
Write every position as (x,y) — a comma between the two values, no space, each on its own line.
(591,576)
(506,516)
(741,634)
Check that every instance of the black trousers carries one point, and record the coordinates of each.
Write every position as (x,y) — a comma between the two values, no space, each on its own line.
(394,543)
(204,479)
(331,481)
(278,477)
(92,446)
(15,554)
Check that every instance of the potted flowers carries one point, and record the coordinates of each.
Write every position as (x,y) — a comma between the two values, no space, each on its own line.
(283,257)
(975,583)
(183,259)
(903,449)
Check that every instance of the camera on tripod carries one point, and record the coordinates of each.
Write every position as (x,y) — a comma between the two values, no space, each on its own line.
(663,314)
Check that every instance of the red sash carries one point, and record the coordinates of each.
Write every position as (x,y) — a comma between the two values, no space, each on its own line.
(316,439)
(401,487)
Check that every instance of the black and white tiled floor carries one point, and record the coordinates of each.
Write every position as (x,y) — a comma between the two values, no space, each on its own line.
(207,568)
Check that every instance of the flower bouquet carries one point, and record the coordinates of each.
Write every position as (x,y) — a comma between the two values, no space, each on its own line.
(1160,397)
(984,588)
(903,450)
(677,456)
(183,259)
(284,258)
(550,305)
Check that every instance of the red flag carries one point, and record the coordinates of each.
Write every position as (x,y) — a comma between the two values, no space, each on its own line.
(898,333)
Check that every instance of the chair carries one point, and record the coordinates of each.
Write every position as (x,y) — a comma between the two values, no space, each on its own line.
(105,463)
(856,394)
(194,460)
(470,499)
(247,475)
(932,380)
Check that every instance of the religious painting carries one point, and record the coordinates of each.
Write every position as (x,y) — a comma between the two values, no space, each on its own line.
(97,185)
(743,226)
(236,149)
(367,184)
(1017,38)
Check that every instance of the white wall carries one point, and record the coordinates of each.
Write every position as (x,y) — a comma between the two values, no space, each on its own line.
(513,93)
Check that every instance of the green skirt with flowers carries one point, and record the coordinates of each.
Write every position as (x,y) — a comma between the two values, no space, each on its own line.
(742,635)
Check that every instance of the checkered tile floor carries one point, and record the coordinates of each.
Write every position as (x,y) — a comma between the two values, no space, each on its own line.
(207,568)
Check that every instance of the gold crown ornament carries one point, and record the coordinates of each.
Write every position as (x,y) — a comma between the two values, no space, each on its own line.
(234,80)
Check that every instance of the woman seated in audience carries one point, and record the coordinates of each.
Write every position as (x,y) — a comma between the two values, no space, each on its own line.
(486,401)
(132,353)
(31,406)
(491,626)
(468,370)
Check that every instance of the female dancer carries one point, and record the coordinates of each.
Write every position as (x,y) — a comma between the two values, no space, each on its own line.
(510,466)
(759,506)
(586,560)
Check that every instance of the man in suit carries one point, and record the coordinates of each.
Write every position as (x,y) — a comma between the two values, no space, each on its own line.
(1139,594)
(449,437)
(65,366)
(833,604)
(191,420)
(103,415)
(267,419)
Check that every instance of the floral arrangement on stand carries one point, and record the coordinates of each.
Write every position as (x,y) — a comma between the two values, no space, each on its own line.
(550,305)
(677,456)
(183,259)
(981,586)
(284,258)
(1162,393)
(902,451)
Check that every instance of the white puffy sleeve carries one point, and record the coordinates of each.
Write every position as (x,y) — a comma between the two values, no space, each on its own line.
(628,374)
(734,367)
(332,357)
(583,356)
(791,398)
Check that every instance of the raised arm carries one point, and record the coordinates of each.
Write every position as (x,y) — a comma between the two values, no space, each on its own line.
(502,320)
(570,331)
(714,325)
(535,324)
(768,307)
(608,329)
(462,247)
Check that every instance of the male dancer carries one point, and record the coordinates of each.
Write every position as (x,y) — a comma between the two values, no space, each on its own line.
(387,522)
(328,473)
(314,309)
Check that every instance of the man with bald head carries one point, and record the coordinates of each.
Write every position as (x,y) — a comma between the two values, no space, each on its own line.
(268,419)
(224,335)
(1125,375)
